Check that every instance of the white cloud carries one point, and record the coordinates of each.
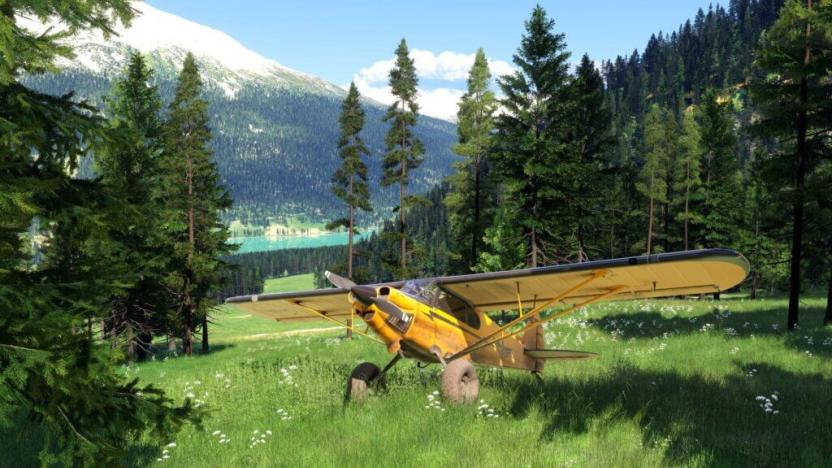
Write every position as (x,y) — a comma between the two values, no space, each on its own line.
(441,101)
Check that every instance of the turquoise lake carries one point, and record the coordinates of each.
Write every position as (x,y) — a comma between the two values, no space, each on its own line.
(262,244)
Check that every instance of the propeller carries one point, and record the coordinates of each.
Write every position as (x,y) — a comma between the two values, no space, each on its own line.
(388,307)
(339,281)
(368,296)
(395,316)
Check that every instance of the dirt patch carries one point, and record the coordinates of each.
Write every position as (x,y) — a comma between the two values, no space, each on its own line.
(305,331)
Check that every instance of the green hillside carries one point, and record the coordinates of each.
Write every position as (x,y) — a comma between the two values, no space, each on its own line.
(275,143)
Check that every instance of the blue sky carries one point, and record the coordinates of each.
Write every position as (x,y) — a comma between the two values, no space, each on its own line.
(337,39)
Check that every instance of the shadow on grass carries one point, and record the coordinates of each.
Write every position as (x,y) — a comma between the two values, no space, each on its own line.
(160,352)
(811,335)
(22,438)
(695,420)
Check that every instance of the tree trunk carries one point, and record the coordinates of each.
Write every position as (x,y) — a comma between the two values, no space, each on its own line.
(171,343)
(402,186)
(753,285)
(475,231)
(188,338)
(534,247)
(666,222)
(650,226)
(797,225)
(349,234)
(131,344)
(190,306)
(205,347)
(827,319)
(687,202)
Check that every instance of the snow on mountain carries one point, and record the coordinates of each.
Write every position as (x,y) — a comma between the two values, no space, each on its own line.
(168,38)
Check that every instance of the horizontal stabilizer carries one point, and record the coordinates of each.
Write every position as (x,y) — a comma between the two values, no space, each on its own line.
(558,354)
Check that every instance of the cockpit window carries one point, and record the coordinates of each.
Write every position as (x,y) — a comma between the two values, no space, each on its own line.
(422,290)
(429,293)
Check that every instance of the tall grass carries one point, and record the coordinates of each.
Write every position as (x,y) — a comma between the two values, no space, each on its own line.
(678,383)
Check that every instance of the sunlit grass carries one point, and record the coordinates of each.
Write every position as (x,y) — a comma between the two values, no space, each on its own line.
(690,383)
(302,282)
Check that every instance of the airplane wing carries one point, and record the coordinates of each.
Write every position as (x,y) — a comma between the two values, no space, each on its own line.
(297,306)
(650,276)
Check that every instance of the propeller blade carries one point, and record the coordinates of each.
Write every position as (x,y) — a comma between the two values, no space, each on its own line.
(395,317)
(388,307)
(363,294)
(339,281)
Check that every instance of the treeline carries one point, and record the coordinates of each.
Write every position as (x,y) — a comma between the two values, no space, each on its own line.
(248,271)
(718,135)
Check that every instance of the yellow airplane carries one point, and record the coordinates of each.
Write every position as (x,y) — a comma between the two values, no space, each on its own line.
(445,320)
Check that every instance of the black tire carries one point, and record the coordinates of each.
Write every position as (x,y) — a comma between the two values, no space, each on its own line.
(358,385)
(460,383)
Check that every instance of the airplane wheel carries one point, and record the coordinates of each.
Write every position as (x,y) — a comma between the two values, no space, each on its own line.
(360,378)
(459,382)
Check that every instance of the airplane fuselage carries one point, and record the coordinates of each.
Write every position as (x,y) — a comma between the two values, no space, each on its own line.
(428,333)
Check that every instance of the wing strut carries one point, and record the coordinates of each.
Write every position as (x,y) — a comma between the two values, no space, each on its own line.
(349,327)
(490,339)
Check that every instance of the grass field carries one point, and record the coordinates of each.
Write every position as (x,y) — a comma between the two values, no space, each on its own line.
(289,283)
(678,383)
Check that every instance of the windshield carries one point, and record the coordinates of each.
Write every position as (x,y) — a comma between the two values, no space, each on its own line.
(429,293)
(422,290)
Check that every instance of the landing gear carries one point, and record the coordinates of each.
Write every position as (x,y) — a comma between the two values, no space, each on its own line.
(358,385)
(459,382)
(365,376)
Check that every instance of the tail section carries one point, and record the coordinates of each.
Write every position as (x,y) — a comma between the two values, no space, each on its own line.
(534,340)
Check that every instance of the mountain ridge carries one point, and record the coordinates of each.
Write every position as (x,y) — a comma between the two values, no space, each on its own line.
(275,129)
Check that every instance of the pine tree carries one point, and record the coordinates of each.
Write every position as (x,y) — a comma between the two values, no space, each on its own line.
(349,183)
(652,183)
(590,136)
(795,101)
(128,164)
(687,183)
(503,246)
(53,370)
(193,197)
(404,150)
(533,158)
(469,198)
(720,171)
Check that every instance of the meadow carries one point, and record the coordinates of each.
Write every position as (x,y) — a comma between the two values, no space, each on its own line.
(677,383)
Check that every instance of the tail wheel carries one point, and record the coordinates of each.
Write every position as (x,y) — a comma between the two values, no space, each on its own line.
(358,385)
(459,382)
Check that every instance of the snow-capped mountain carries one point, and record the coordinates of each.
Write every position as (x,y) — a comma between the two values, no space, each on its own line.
(168,38)
(275,129)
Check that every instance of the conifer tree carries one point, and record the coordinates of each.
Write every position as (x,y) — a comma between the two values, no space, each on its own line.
(533,158)
(687,183)
(795,101)
(652,183)
(193,197)
(590,136)
(469,198)
(128,164)
(720,171)
(349,183)
(53,370)
(404,150)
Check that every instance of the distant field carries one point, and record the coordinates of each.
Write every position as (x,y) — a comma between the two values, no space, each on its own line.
(290,283)
(678,383)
